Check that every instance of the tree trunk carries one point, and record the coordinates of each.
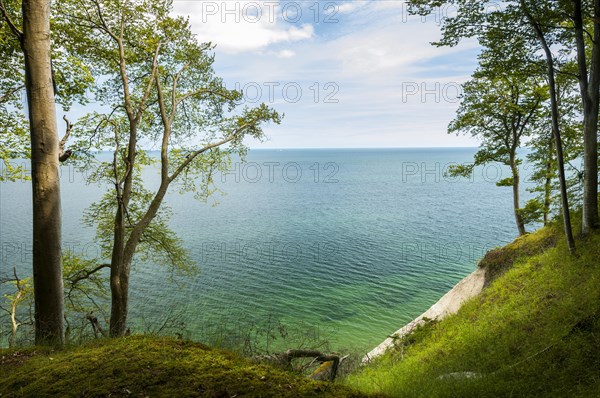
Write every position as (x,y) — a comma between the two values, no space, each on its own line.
(119,268)
(590,95)
(516,196)
(119,303)
(122,258)
(559,154)
(47,262)
(548,182)
(555,127)
(119,281)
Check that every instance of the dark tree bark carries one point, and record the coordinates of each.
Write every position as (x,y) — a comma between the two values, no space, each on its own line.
(555,126)
(47,262)
(589,83)
(548,181)
(516,196)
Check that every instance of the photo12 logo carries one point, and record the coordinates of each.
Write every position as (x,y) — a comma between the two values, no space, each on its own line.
(438,14)
(288,92)
(436,172)
(266,252)
(437,92)
(292,12)
(290,172)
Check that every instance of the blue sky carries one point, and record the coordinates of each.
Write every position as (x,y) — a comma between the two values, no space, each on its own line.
(345,73)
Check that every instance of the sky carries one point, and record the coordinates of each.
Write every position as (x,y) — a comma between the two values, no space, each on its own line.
(346,74)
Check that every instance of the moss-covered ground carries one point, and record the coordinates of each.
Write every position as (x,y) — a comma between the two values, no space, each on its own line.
(145,366)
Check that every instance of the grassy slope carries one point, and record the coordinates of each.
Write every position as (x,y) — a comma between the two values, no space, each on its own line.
(534,332)
(149,366)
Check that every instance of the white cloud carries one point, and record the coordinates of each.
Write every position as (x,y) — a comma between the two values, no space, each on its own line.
(240,26)
(370,55)
(393,48)
(350,6)
(286,54)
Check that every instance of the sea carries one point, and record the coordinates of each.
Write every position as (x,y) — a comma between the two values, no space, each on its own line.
(298,247)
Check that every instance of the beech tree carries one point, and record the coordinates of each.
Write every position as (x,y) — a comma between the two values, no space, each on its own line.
(34,38)
(28,53)
(587,14)
(545,44)
(501,106)
(542,157)
(159,90)
(514,19)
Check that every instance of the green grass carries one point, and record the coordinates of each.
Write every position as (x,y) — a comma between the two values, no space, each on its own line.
(535,331)
(140,366)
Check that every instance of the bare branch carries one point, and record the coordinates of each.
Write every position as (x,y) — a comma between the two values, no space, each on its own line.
(63,141)
(16,31)
(11,92)
(146,95)
(116,161)
(64,155)
(285,359)
(96,325)
(103,21)
(202,91)
(85,274)
(194,155)
(13,308)
(174,102)
(164,158)
(87,295)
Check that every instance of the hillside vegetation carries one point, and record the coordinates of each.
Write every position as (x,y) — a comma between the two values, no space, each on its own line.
(535,331)
(139,366)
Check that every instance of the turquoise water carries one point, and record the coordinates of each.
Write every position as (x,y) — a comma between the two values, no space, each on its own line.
(352,243)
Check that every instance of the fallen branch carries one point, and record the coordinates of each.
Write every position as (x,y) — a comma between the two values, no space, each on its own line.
(327,370)
(96,325)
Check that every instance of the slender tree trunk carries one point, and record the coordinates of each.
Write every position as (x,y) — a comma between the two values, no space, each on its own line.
(516,195)
(548,182)
(591,216)
(119,305)
(123,253)
(47,262)
(560,160)
(119,268)
(555,127)
(118,283)
(559,153)
(590,95)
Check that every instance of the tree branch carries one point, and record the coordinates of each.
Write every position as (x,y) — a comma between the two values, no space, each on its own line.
(16,31)
(174,102)
(9,93)
(201,91)
(64,155)
(287,357)
(144,99)
(194,155)
(85,274)
(96,325)
(166,120)
(102,20)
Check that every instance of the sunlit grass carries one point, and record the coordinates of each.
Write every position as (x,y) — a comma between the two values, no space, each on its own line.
(534,331)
